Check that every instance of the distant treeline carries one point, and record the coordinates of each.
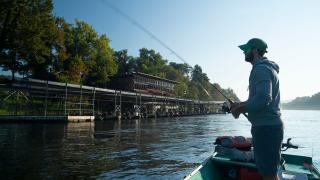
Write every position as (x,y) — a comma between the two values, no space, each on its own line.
(304,103)
(34,43)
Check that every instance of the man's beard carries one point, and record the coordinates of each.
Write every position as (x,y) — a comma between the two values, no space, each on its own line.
(249,57)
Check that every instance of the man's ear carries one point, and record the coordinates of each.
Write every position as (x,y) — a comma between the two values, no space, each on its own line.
(255,51)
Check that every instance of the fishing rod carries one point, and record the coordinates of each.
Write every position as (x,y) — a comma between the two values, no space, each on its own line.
(228,99)
(142,28)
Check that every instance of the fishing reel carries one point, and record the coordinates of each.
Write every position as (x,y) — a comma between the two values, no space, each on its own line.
(287,145)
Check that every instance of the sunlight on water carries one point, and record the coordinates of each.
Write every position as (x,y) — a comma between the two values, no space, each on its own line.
(150,148)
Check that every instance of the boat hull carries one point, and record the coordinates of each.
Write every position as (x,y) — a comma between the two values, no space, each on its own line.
(220,168)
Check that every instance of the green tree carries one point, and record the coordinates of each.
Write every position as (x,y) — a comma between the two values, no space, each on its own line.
(151,62)
(67,64)
(27,33)
(59,51)
(84,49)
(126,64)
(192,91)
(201,82)
(103,65)
(184,68)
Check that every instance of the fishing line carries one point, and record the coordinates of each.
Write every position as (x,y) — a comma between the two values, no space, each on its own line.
(142,28)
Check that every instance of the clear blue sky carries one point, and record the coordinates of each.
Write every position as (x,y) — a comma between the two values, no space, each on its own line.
(207,33)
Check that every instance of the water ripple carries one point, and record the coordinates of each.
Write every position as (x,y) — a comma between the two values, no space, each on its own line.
(165,148)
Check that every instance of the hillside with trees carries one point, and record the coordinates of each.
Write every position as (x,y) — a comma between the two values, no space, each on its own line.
(304,103)
(36,44)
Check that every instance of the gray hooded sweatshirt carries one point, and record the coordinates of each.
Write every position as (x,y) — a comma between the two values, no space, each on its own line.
(263,104)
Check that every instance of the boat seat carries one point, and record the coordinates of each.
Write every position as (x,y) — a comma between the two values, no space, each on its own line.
(226,160)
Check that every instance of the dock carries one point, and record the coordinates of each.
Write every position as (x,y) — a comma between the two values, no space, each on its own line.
(46,118)
(28,99)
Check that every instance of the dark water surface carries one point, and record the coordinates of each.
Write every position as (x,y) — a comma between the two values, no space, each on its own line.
(163,148)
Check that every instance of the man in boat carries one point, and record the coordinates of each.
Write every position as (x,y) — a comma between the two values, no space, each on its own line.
(263,108)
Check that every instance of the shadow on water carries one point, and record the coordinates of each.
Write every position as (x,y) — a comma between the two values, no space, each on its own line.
(166,148)
(41,151)
(85,150)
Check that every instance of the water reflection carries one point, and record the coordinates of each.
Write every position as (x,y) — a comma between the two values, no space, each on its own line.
(167,148)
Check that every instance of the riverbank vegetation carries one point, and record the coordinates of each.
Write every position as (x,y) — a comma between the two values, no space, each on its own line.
(34,43)
(304,103)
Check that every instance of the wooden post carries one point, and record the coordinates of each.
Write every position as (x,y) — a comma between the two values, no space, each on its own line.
(65,100)
(136,99)
(115,103)
(140,115)
(16,104)
(46,101)
(154,106)
(93,100)
(80,99)
(120,103)
(140,99)
(117,107)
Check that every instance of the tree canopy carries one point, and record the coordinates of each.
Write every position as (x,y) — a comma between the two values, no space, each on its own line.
(34,43)
(27,33)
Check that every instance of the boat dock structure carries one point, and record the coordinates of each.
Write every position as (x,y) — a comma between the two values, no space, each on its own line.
(29,99)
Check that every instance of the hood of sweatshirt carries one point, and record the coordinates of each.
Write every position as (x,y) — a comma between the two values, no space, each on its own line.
(265,62)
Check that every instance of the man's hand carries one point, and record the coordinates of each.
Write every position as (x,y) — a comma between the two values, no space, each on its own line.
(237,109)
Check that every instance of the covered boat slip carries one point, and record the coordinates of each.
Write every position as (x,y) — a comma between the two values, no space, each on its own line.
(222,168)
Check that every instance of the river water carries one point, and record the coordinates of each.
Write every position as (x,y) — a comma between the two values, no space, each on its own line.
(163,148)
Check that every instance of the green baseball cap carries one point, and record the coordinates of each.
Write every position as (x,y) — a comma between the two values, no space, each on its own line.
(254,43)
